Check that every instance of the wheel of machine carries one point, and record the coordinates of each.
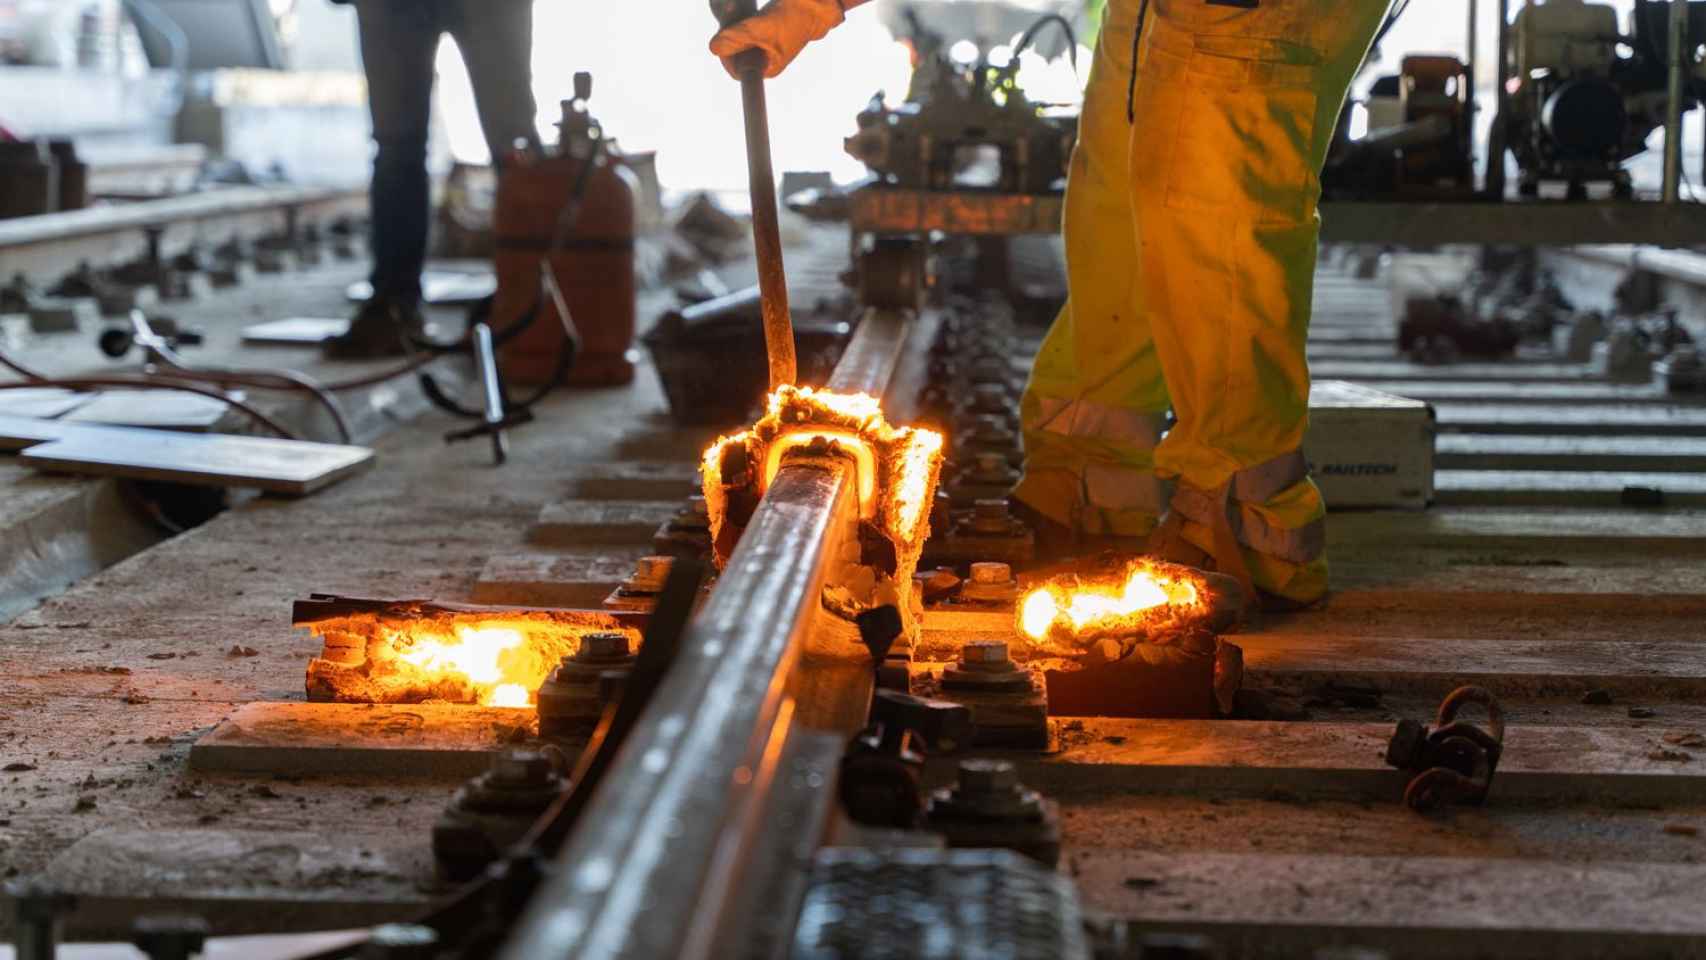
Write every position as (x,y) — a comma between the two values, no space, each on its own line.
(1585,119)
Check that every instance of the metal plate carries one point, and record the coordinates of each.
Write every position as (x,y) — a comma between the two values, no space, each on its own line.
(293,467)
(967,212)
(161,409)
(879,209)
(41,401)
(296,331)
(375,739)
(912,904)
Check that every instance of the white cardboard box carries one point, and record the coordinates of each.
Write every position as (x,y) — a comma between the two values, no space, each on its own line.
(1368,448)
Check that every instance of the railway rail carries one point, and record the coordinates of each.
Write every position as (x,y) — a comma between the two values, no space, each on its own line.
(1279,833)
(685,857)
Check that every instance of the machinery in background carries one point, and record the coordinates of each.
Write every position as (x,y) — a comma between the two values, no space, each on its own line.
(967,155)
(564,223)
(1509,301)
(1419,139)
(1585,96)
(964,128)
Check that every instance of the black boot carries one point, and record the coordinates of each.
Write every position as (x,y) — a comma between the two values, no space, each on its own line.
(381,328)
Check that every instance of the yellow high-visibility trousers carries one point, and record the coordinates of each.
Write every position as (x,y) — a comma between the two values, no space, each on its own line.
(1190,235)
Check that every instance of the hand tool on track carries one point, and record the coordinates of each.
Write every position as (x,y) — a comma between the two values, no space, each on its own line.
(766,231)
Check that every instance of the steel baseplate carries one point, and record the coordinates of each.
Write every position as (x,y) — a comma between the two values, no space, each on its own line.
(926,904)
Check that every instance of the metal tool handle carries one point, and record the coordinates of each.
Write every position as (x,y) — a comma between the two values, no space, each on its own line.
(761,185)
(486,361)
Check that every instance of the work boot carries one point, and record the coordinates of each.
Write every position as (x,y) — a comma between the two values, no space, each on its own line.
(1056,541)
(381,328)
(1168,543)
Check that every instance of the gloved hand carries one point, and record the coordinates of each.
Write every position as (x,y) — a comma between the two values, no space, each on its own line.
(779,31)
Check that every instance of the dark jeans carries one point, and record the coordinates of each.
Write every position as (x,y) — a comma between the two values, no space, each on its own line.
(399,39)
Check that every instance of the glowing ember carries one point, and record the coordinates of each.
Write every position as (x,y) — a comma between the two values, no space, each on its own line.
(495,659)
(1070,611)
(896,467)
(473,653)
(919,462)
(894,470)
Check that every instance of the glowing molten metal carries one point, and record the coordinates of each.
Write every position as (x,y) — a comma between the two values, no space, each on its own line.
(411,652)
(896,468)
(1143,598)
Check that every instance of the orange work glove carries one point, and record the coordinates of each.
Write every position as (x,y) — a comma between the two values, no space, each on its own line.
(779,31)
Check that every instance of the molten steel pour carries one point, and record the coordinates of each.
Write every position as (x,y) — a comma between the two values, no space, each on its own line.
(1145,598)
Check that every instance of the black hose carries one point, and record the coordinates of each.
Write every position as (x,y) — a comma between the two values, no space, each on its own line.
(1031,32)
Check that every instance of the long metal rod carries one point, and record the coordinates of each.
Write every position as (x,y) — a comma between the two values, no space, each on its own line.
(661,853)
(1470,43)
(1497,140)
(1676,58)
(767,232)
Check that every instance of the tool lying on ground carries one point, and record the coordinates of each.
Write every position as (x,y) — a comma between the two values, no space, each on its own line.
(1454,763)
(766,230)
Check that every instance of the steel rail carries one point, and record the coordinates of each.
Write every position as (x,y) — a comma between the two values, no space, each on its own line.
(42,248)
(665,850)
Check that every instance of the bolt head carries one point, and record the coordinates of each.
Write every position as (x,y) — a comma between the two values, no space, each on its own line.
(521,768)
(984,652)
(987,777)
(603,646)
(991,573)
(990,509)
(650,573)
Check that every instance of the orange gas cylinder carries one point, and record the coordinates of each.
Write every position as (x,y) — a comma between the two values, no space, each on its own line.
(590,248)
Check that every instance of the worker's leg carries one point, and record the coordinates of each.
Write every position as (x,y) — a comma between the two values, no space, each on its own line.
(1235,107)
(496,40)
(1095,405)
(398,41)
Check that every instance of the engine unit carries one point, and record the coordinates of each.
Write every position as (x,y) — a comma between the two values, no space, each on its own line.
(963,128)
(1584,95)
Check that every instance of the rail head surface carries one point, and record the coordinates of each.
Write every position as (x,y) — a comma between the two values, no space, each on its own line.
(663,845)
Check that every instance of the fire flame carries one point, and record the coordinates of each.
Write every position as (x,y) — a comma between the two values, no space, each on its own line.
(897,467)
(1071,611)
(495,659)
(477,653)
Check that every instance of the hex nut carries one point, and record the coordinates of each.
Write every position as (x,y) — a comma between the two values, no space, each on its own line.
(984,652)
(649,574)
(603,646)
(991,573)
(982,777)
(520,768)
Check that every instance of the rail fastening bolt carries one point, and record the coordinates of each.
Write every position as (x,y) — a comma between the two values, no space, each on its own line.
(991,573)
(984,652)
(521,768)
(986,778)
(603,646)
(649,574)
